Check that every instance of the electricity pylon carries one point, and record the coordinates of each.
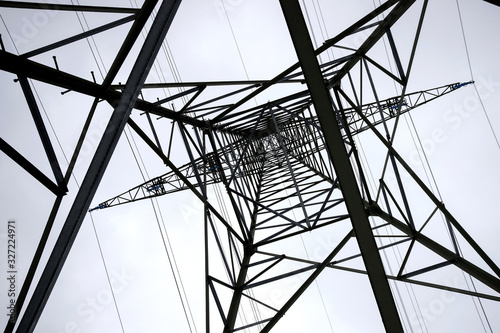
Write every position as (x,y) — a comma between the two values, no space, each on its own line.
(291,168)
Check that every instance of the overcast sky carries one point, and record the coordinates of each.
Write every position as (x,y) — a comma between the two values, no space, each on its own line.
(459,143)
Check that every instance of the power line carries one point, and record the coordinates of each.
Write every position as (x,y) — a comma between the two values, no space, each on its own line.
(498,145)
(396,251)
(237,45)
(166,244)
(76,181)
(472,75)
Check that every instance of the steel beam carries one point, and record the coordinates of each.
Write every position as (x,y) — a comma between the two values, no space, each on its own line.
(340,160)
(374,37)
(494,2)
(99,163)
(73,8)
(468,267)
(207,83)
(280,77)
(439,204)
(234,307)
(48,227)
(80,36)
(249,250)
(308,282)
(42,132)
(24,67)
(30,168)
(21,296)
(183,178)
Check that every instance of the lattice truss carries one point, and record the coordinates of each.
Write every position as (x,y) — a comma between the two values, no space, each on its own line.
(291,167)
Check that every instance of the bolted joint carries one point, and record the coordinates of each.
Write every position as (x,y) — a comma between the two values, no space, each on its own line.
(249,249)
(372,208)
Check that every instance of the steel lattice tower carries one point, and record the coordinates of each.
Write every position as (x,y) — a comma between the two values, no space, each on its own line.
(291,167)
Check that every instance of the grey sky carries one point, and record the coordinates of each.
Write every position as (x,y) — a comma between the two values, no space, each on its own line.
(456,136)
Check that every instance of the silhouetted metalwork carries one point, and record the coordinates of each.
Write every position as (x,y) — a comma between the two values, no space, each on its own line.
(290,166)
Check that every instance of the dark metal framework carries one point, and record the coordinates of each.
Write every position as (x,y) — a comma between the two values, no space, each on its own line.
(290,166)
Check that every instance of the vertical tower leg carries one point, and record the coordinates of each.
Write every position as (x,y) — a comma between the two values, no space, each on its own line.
(98,165)
(326,115)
